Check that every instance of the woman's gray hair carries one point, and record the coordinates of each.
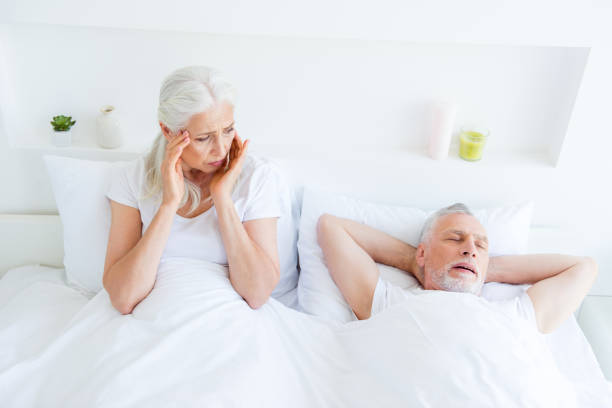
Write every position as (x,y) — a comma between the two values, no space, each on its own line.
(184,93)
(430,222)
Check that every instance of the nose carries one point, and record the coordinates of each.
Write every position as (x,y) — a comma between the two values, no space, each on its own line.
(469,248)
(218,147)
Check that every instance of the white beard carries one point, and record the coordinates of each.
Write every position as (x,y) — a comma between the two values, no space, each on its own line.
(446,282)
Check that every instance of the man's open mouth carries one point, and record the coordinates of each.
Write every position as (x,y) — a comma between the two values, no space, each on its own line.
(466,266)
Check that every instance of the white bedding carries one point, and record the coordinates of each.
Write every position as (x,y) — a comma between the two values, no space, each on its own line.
(194,342)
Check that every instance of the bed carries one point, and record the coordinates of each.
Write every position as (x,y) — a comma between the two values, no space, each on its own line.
(65,346)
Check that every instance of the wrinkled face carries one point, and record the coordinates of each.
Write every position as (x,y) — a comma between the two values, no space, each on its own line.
(211,133)
(455,256)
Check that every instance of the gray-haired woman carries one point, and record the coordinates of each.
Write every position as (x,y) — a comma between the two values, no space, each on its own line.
(195,194)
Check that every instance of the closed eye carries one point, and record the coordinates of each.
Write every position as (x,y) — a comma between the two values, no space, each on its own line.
(226,131)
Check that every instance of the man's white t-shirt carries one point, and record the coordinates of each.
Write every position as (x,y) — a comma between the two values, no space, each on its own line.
(255,196)
(490,350)
(387,294)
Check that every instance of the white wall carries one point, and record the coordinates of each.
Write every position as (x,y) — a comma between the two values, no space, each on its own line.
(542,22)
(575,193)
(295,91)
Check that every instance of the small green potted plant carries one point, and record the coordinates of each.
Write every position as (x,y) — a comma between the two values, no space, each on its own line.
(61,130)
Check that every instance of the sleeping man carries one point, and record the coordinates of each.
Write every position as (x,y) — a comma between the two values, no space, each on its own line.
(454,331)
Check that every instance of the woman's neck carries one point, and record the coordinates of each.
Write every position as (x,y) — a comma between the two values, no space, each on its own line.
(199,178)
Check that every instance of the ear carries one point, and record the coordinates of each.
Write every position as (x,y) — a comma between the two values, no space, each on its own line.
(420,255)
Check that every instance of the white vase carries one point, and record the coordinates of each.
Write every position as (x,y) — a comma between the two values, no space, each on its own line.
(108,129)
(442,119)
(61,138)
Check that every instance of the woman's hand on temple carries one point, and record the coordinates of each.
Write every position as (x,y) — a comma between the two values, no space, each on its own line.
(223,180)
(172,172)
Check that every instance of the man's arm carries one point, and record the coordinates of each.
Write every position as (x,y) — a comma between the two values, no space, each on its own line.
(560,282)
(351,251)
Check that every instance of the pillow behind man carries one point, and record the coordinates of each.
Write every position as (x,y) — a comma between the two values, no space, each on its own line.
(508,229)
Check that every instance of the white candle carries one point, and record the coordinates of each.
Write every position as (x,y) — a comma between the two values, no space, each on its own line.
(442,119)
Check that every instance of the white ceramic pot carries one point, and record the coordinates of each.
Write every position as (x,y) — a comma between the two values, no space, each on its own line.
(108,129)
(442,119)
(61,138)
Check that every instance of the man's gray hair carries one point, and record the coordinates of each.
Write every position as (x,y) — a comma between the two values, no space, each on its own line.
(430,222)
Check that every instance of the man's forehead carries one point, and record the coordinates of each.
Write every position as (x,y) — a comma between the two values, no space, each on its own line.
(459,222)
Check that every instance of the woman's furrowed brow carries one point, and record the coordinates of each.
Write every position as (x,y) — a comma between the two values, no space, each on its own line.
(214,131)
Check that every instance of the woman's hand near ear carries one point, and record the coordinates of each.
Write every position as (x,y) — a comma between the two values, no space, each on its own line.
(172,172)
(223,181)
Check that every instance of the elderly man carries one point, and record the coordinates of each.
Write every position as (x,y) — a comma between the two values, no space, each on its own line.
(446,345)
(452,256)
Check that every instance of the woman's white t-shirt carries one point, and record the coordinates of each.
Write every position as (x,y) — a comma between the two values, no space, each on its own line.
(255,196)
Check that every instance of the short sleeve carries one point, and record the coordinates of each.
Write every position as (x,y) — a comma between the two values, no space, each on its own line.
(386,295)
(524,307)
(520,306)
(263,197)
(123,184)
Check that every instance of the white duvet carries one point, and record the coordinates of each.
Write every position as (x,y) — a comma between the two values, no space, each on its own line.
(195,342)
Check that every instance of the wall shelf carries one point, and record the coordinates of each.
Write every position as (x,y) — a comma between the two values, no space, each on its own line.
(416,157)
(85,150)
(524,94)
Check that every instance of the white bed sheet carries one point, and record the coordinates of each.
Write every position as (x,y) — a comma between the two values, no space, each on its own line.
(35,304)
(179,348)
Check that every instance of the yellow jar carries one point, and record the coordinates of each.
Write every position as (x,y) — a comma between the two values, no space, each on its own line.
(471,143)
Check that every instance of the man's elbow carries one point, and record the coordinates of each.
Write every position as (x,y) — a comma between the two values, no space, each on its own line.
(590,266)
(545,328)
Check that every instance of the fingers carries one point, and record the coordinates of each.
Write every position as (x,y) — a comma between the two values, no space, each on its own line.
(173,155)
(233,149)
(239,153)
(178,139)
(178,167)
(176,146)
(243,150)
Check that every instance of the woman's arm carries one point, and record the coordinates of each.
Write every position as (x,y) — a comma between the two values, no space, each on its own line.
(251,246)
(252,253)
(131,261)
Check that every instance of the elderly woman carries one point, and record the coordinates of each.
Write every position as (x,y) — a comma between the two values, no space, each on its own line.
(195,194)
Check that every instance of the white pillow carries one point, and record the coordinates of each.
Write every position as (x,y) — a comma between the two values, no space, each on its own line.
(507,228)
(80,186)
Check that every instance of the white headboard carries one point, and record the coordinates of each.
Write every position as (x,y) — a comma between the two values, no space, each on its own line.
(30,239)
